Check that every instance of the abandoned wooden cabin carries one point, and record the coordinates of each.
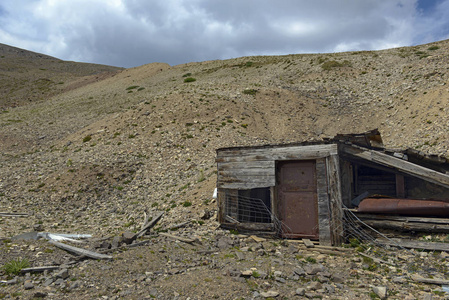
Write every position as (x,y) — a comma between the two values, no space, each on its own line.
(300,190)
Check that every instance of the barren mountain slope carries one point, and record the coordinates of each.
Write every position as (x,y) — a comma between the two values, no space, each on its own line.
(147,127)
(93,158)
(27,76)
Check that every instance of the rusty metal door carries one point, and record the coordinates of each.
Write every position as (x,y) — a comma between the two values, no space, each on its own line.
(297,195)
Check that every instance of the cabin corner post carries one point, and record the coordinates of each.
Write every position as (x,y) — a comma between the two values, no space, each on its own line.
(323,203)
(335,199)
(221,198)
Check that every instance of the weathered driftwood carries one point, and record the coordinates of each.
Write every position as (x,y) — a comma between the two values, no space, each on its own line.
(39,269)
(150,224)
(418,278)
(79,251)
(415,244)
(9,214)
(180,238)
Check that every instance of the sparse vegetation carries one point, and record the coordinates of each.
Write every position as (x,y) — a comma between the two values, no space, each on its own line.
(14,267)
(189,79)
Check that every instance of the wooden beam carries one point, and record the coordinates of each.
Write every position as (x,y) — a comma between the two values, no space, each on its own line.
(364,217)
(405,226)
(418,278)
(400,165)
(250,226)
(415,244)
(282,152)
(80,251)
(150,224)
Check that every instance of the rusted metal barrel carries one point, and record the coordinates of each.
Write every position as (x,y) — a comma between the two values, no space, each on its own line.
(409,207)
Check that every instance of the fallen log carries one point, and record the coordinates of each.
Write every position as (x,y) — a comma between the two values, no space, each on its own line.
(79,251)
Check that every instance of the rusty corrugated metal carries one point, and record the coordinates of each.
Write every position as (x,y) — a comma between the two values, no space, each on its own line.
(404,207)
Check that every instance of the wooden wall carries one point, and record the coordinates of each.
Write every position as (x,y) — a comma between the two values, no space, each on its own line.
(250,168)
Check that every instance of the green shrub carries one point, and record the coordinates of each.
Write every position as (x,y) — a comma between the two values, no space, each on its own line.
(250,92)
(431,48)
(328,65)
(15,266)
(187,75)
(87,138)
(187,203)
(132,87)
(189,79)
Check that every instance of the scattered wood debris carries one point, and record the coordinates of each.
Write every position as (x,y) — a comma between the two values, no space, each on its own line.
(179,238)
(12,214)
(80,251)
(150,224)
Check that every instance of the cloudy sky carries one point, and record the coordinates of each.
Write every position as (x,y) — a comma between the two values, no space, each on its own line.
(130,33)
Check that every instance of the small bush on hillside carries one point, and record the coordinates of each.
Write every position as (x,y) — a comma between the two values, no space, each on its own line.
(87,138)
(328,65)
(189,79)
(250,92)
(431,48)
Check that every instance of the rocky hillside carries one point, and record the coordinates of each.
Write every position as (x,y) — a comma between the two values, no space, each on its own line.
(104,149)
(28,77)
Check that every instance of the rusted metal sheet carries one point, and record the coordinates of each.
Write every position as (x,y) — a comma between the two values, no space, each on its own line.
(404,207)
(298,199)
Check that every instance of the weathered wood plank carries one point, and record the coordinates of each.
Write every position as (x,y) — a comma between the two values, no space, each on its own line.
(247,165)
(180,238)
(415,244)
(283,152)
(405,226)
(364,216)
(251,226)
(418,278)
(400,165)
(246,172)
(335,198)
(244,181)
(346,181)
(80,251)
(39,269)
(308,243)
(150,224)
(12,214)
(323,203)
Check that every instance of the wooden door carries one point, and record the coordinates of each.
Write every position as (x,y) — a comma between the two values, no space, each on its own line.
(297,196)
